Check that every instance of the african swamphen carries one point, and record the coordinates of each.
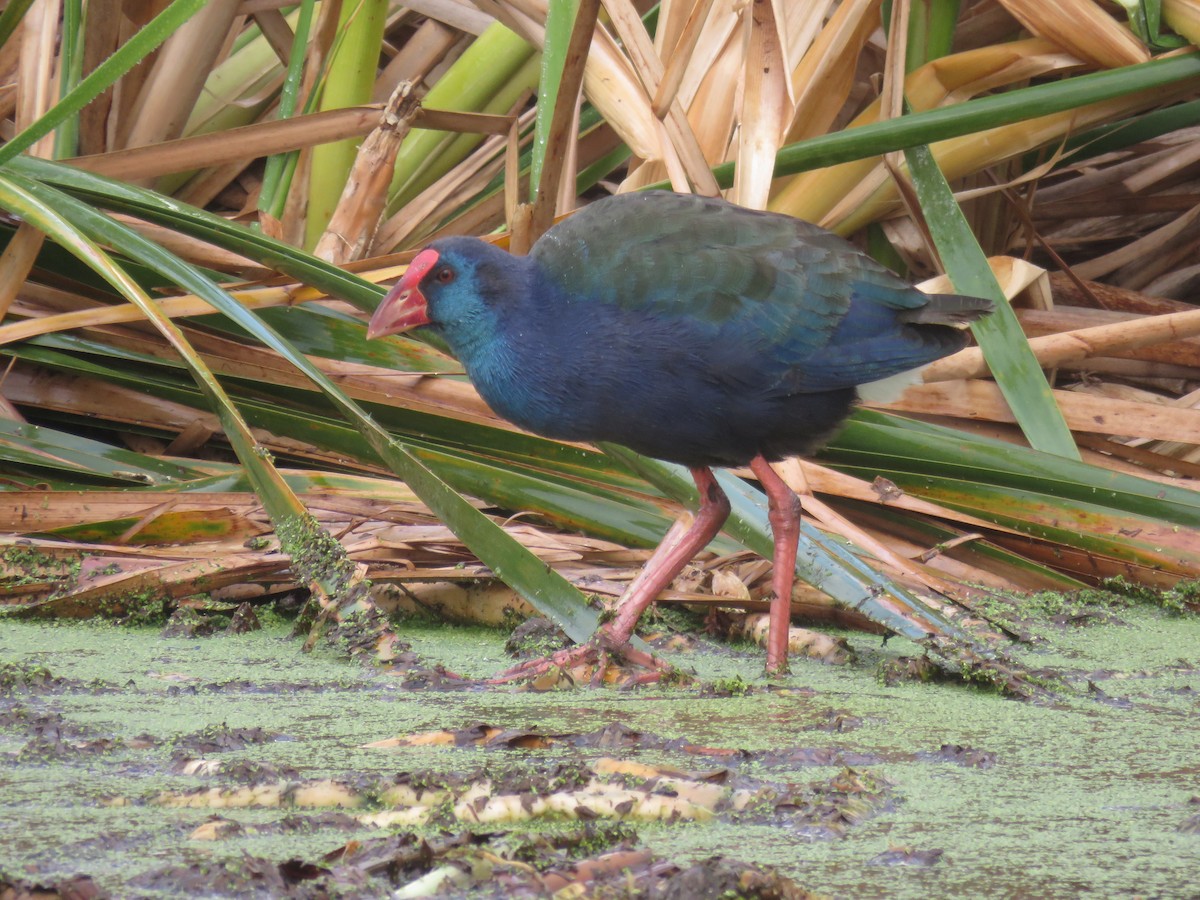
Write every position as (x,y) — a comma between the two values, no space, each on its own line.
(687,329)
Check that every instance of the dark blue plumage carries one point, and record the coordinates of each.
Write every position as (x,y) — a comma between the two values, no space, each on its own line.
(666,385)
(683,327)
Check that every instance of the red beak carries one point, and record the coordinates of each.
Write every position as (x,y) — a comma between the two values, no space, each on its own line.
(405,306)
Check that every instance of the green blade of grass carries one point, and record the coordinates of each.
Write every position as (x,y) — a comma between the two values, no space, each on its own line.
(279,168)
(1000,336)
(50,450)
(874,440)
(74,225)
(349,82)
(931,27)
(971,116)
(108,193)
(548,591)
(603,504)
(66,138)
(560,17)
(11,17)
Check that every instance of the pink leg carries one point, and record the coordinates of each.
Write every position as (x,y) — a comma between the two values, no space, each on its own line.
(687,537)
(783,510)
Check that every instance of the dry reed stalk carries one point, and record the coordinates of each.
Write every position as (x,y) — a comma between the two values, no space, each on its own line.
(177,79)
(43,317)
(1138,250)
(417,218)
(247,142)
(1183,16)
(16,262)
(610,81)
(1081,28)
(960,156)
(676,49)
(1183,353)
(823,77)
(195,250)
(1072,346)
(357,214)
(104,19)
(708,91)
(427,48)
(767,104)
(9,59)
(681,144)
(37,79)
(275,30)
(974,399)
(826,195)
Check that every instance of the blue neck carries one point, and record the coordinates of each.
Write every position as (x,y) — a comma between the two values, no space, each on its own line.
(522,350)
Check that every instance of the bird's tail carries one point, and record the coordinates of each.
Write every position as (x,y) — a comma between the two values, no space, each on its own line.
(954,310)
(949,311)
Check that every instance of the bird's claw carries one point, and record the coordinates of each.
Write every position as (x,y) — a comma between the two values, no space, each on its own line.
(602,660)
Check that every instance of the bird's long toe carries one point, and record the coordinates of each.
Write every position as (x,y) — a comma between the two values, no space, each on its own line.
(602,660)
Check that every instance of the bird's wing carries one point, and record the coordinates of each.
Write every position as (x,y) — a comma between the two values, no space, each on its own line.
(776,282)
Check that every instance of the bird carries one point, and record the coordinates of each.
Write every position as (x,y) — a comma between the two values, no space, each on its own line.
(688,329)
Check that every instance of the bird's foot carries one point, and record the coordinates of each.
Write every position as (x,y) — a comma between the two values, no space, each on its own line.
(602,660)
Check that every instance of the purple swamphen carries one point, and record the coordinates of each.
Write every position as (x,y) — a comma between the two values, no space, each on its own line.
(687,329)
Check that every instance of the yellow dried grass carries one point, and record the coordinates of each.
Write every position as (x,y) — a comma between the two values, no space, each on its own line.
(837,196)
(1081,28)
(1184,17)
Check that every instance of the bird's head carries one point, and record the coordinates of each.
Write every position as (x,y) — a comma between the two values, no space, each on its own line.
(452,285)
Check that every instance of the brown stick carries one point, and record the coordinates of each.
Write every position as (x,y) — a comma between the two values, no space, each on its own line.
(1070,346)
(268,138)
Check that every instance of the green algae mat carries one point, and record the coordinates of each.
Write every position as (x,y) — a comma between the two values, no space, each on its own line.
(138,765)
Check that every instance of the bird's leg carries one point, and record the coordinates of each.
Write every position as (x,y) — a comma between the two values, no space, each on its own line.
(687,537)
(783,510)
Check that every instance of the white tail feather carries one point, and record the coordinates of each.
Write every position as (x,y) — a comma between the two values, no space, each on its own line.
(885,390)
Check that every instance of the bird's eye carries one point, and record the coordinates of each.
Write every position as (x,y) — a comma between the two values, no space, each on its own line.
(444,275)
